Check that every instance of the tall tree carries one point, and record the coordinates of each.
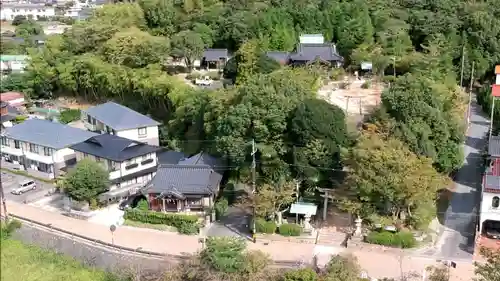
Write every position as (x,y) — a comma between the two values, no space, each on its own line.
(86,181)
(188,45)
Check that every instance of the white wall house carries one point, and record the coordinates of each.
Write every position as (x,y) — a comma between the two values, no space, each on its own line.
(490,196)
(116,119)
(131,164)
(13,63)
(10,10)
(41,145)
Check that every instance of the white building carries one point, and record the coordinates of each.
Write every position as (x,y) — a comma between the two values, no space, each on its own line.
(116,119)
(490,197)
(131,164)
(41,145)
(13,63)
(9,11)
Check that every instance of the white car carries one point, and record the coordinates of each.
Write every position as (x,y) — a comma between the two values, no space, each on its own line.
(24,186)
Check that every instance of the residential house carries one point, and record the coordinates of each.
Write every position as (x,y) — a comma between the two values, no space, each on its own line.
(9,11)
(311,48)
(8,113)
(14,99)
(131,164)
(116,119)
(215,58)
(13,63)
(190,185)
(490,196)
(42,146)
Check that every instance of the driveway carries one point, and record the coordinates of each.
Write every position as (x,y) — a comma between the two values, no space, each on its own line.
(11,181)
(458,237)
(235,223)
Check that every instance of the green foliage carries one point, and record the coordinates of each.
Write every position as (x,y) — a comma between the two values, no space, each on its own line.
(142,205)
(20,119)
(69,115)
(489,270)
(19,19)
(221,207)
(263,226)
(86,181)
(290,229)
(366,85)
(401,239)
(7,228)
(15,82)
(303,274)
(342,268)
(224,254)
(185,224)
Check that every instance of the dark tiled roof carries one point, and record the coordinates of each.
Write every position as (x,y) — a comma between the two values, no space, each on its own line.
(282,57)
(119,117)
(47,133)
(114,148)
(215,54)
(203,158)
(170,157)
(310,52)
(183,179)
(494,146)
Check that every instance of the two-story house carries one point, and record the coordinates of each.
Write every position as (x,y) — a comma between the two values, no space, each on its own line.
(490,197)
(42,146)
(9,11)
(116,119)
(131,164)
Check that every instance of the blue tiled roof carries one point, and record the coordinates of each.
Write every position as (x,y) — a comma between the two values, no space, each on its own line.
(119,117)
(47,133)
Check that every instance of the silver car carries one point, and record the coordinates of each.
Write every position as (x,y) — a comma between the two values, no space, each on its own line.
(24,186)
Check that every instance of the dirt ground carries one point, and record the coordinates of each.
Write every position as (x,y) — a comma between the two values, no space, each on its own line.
(73,103)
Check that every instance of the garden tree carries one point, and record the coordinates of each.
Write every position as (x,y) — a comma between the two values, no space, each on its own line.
(18,20)
(355,26)
(271,200)
(342,268)
(251,59)
(388,179)
(205,32)
(135,48)
(224,254)
(489,271)
(317,131)
(28,28)
(302,274)
(428,118)
(441,273)
(86,181)
(15,82)
(188,45)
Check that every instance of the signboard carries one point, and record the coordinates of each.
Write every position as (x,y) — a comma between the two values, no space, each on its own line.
(366,66)
(495,90)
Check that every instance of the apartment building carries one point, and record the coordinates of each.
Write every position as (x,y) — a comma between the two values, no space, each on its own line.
(131,164)
(116,119)
(41,145)
(9,11)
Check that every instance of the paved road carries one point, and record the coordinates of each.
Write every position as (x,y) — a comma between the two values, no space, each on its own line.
(11,181)
(457,240)
(235,224)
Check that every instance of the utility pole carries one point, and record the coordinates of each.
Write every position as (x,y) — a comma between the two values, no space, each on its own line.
(470,93)
(254,164)
(462,69)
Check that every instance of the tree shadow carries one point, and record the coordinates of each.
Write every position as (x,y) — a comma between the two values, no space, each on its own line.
(476,143)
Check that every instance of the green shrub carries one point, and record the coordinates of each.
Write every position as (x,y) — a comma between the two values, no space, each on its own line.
(263,226)
(185,224)
(366,85)
(290,229)
(6,229)
(69,115)
(402,239)
(221,207)
(302,274)
(142,205)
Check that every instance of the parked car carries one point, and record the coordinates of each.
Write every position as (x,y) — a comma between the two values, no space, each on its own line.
(130,202)
(205,81)
(24,186)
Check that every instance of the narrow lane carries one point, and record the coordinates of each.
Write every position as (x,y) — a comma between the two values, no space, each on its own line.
(457,239)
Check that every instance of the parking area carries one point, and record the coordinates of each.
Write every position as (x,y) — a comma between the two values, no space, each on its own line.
(11,182)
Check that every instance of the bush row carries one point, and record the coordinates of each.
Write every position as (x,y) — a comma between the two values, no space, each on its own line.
(402,239)
(269,227)
(185,224)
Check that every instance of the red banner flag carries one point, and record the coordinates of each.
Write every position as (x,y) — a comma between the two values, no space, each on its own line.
(495,90)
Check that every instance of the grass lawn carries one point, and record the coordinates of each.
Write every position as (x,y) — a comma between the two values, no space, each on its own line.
(148,225)
(30,263)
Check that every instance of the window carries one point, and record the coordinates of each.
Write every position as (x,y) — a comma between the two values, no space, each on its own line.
(17,144)
(89,119)
(5,141)
(47,151)
(146,157)
(112,166)
(142,132)
(33,148)
(495,202)
(85,155)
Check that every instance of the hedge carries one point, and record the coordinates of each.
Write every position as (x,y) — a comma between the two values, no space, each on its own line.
(402,239)
(263,226)
(186,224)
(290,229)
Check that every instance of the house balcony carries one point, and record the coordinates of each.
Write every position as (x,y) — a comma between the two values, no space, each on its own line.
(39,158)
(11,150)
